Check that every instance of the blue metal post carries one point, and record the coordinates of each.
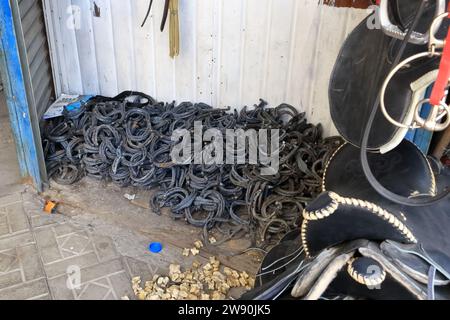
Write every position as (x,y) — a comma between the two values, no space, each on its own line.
(16,98)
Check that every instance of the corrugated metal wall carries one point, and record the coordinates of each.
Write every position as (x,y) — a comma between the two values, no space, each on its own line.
(37,53)
(233,52)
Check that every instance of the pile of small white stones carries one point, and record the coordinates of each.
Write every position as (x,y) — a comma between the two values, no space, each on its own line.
(201,282)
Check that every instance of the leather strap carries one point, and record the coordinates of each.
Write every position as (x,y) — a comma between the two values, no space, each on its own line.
(444,73)
(165,14)
(148,13)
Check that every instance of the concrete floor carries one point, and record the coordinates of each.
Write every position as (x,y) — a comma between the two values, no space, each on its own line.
(47,256)
(95,243)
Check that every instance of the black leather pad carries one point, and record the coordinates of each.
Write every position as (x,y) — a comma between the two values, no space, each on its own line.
(404,171)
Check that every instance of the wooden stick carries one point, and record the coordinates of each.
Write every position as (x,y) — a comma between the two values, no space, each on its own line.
(174,29)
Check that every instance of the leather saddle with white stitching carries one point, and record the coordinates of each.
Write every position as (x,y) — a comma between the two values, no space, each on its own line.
(354,242)
(399,246)
(414,240)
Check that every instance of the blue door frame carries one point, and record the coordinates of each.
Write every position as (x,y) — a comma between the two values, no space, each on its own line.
(27,143)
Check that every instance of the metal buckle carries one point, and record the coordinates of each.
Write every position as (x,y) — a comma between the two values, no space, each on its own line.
(432,123)
(416,37)
(436,114)
(434,42)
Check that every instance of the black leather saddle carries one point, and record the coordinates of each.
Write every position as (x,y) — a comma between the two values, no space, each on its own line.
(404,171)
(414,239)
(328,257)
(354,242)
(363,64)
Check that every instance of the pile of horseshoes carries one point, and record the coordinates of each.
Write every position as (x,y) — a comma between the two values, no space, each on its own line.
(127,139)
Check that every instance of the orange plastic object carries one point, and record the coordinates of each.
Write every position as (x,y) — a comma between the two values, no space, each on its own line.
(50,207)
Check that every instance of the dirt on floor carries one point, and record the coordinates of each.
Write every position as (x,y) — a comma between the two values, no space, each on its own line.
(133,226)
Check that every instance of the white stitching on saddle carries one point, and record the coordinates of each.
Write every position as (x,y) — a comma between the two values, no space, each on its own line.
(303,235)
(365,280)
(368,206)
(327,166)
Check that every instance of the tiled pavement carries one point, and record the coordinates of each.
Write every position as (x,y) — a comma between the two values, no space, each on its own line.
(43,258)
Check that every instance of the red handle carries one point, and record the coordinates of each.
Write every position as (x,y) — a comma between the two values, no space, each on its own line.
(438,92)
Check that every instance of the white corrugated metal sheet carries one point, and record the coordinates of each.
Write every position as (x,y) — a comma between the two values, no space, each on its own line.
(233,52)
(37,57)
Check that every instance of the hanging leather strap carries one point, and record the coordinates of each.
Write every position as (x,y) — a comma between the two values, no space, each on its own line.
(441,83)
(165,14)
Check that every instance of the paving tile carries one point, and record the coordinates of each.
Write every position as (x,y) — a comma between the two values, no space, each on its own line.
(19,265)
(16,218)
(37,252)
(110,297)
(12,220)
(59,289)
(10,199)
(139,268)
(102,282)
(8,261)
(9,189)
(10,279)
(75,244)
(16,241)
(4,230)
(48,245)
(60,267)
(95,291)
(98,282)
(30,197)
(30,262)
(65,229)
(121,284)
(25,291)
(42,220)
(42,297)
(104,247)
(101,270)
(3,217)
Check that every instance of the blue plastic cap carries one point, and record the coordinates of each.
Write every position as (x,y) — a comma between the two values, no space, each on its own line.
(156,247)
